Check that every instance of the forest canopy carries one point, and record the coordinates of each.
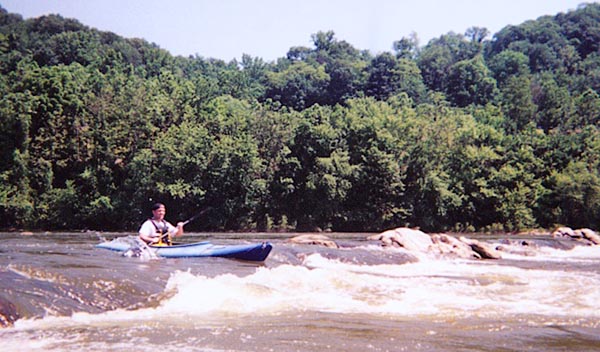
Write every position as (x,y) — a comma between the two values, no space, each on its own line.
(469,132)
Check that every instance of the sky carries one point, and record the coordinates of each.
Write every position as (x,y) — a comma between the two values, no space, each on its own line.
(227,29)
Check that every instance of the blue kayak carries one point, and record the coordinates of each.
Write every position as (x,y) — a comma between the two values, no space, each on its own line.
(257,252)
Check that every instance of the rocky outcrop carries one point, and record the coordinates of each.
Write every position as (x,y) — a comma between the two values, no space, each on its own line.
(583,235)
(589,235)
(319,240)
(411,239)
(417,241)
(451,246)
(564,232)
(485,250)
(8,313)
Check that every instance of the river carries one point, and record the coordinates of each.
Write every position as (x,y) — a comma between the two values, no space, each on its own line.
(361,297)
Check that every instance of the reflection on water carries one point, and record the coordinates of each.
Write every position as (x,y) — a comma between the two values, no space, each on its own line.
(306,298)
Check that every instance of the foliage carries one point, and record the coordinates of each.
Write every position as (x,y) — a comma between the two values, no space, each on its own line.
(463,133)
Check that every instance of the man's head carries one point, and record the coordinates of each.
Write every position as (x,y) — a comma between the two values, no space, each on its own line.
(158,211)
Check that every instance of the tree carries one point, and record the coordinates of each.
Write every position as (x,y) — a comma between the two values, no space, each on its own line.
(572,197)
(580,28)
(469,82)
(299,86)
(389,76)
(375,199)
(518,183)
(477,34)
(273,131)
(589,77)
(517,104)
(440,54)
(431,197)
(343,63)
(554,104)
(16,195)
(407,47)
(312,179)
(587,107)
(507,64)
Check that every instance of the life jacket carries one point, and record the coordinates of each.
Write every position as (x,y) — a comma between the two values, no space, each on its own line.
(162,230)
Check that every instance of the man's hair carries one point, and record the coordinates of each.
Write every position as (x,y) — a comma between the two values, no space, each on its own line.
(156,206)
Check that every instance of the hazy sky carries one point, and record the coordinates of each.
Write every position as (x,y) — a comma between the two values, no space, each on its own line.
(226,29)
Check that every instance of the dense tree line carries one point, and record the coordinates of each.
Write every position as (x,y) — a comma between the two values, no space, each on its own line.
(463,133)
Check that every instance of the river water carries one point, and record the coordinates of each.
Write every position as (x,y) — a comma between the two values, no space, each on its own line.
(360,297)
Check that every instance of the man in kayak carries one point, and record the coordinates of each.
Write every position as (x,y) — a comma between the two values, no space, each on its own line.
(157,230)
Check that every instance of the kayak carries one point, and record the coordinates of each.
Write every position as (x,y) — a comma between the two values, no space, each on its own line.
(257,252)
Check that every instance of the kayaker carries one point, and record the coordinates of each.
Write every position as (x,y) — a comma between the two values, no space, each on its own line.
(157,230)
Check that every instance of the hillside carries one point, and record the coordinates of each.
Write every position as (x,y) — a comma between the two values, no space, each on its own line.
(464,133)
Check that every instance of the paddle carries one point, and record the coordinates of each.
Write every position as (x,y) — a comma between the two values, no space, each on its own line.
(197,215)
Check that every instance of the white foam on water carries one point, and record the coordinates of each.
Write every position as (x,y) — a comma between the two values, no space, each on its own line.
(431,287)
(428,287)
(578,254)
(18,343)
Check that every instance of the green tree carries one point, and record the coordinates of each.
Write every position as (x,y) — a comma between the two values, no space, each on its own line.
(508,64)
(554,103)
(343,64)
(517,104)
(299,86)
(374,200)
(312,165)
(580,28)
(389,76)
(440,54)
(272,130)
(431,197)
(518,183)
(407,47)
(589,76)
(474,160)
(587,107)
(572,197)
(469,82)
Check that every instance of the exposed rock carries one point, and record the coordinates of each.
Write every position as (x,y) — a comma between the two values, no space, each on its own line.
(484,250)
(589,235)
(563,232)
(8,313)
(585,235)
(448,245)
(319,240)
(418,241)
(411,239)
